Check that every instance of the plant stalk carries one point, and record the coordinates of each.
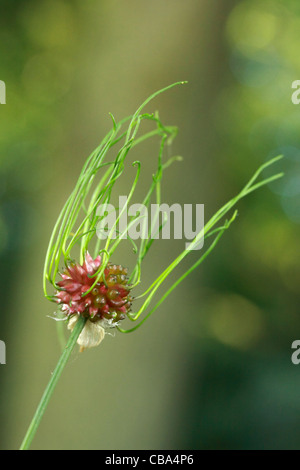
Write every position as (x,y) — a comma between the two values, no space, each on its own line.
(52,384)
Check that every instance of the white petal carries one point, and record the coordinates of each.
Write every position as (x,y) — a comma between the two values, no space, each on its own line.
(72,322)
(92,335)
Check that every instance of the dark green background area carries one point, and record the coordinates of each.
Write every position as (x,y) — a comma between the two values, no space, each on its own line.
(212,367)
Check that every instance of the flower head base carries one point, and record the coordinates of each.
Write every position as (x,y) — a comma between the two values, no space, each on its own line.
(105,303)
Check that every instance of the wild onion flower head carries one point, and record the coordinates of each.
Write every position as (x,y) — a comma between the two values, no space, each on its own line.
(106,304)
(108,300)
(90,285)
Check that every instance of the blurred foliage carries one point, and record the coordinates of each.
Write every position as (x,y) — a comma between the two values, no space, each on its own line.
(221,377)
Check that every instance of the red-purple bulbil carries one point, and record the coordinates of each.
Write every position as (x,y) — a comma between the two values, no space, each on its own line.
(108,300)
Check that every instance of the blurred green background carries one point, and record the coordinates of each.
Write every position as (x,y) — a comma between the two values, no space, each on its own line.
(212,368)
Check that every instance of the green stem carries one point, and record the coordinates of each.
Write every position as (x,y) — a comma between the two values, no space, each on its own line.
(52,384)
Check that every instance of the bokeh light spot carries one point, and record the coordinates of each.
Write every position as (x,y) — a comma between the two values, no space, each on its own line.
(49,24)
(235,321)
(250,28)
